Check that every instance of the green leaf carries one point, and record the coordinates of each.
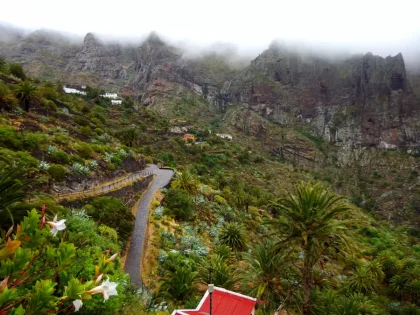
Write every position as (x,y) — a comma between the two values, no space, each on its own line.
(74,289)
(65,253)
(18,311)
(42,298)
(7,295)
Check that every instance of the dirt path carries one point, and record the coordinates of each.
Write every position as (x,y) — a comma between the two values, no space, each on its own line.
(135,253)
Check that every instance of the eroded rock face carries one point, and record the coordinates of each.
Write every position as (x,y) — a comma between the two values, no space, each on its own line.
(362,100)
(111,64)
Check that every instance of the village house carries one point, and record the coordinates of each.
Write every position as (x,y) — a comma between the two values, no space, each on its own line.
(72,90)
(117,101)
(224,136)
(110,95)
(188,137)
(224,302)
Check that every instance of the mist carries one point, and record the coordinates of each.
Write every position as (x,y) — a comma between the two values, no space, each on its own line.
(238,29)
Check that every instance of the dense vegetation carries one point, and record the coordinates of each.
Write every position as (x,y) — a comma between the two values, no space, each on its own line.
(265,225)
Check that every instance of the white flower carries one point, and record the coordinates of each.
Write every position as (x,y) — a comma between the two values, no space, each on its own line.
(99,278)
(56,225)
(112,258)
(77,305)
(107,289)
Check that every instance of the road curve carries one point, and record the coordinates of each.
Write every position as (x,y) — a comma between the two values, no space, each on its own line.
(135,253)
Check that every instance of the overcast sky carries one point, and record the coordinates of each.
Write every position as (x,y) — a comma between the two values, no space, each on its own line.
(382,26)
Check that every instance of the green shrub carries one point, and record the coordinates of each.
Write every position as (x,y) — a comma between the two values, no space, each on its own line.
(86,131)
(167,158)
(49,93)
(179,203)
(148,160)
(110,166)
(34,140)
(113,213)
(19,158)
(77,159)
(16,70)
(57,172)
(85,150)
(81,121)
(60,157)
(99,131)
(116,160)
(61,139)
(10,139)
(50,105)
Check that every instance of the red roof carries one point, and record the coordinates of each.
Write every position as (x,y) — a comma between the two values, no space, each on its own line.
(224,302)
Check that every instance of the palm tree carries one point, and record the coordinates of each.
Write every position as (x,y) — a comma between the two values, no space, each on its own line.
(178,285)
(363,280)
(311,222)
(223,274)
(187,182)
(233,235)
(269,276)
(27,93)
(12,185)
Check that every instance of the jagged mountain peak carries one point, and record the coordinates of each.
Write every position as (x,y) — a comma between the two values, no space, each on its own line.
(154,38)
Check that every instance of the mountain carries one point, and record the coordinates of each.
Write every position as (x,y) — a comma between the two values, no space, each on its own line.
(361,100)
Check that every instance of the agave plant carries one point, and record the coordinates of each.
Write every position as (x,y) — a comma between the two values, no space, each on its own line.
(44,166)
(51,149)
(80,169)
(93,164)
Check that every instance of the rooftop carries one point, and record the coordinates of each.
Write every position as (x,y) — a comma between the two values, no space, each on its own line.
(224,302)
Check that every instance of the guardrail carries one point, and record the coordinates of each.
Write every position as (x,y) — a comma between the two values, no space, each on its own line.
(105,187)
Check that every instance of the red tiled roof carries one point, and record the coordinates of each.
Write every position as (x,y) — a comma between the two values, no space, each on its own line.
(224,302)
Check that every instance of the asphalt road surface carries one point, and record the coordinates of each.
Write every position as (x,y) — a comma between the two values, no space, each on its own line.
(135,253)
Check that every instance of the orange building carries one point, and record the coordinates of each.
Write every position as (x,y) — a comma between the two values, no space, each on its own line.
(188,136)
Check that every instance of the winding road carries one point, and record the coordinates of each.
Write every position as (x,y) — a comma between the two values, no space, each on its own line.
(135,253)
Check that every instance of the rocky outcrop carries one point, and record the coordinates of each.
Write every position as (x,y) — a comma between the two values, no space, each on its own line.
(361,100)
(109,64)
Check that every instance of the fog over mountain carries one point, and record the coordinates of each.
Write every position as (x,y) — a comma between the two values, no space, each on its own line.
(246,28)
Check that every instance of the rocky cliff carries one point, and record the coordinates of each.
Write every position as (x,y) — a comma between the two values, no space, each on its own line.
(362,100)
(109,65)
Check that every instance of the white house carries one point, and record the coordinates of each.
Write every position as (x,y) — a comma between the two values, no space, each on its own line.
(69,90)
(224,136)
(110,95)
(116,101)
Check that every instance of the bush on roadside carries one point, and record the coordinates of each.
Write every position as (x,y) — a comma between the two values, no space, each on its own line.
(57,172)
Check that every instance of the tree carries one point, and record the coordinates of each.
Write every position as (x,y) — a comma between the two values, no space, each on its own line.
(7,99)
(3,65)
(223,274)
(27,93)
(128,136)
(312,222)
(179,203)
(16,70)
(12,185)
(186,181)
(113,213)
(178,284)
(268,276)
(233,235)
